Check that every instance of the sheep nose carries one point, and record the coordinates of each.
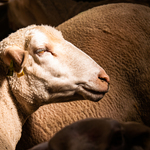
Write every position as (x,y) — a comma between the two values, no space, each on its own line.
(103,76)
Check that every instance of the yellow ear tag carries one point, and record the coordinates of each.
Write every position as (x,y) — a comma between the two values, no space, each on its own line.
(11,69)
(20,73)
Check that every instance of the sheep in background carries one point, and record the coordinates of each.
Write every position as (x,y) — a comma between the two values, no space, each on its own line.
(99,134)
(17,14)
(38,66)
(52,12)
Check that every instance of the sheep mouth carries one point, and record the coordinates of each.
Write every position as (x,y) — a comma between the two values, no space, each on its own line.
(93,95)
(94,92)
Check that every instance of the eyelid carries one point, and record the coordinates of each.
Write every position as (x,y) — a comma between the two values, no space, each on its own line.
(40,50)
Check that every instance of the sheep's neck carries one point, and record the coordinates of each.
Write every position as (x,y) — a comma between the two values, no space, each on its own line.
(10,122)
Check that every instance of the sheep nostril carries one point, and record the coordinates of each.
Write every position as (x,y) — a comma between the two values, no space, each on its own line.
(104,77)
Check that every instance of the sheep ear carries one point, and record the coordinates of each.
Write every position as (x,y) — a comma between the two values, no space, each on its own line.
(17,56)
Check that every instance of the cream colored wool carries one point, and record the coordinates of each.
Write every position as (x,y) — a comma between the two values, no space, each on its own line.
(11,124)
(117,36)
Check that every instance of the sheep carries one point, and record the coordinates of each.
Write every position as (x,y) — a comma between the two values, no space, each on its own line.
(53,12)
(38,66)
(117,37)
(99,134)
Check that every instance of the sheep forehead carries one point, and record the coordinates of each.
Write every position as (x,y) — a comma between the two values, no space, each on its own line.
(52,31)
(39,39)
(41,34)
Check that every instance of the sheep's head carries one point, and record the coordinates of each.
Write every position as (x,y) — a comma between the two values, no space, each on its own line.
(54,69)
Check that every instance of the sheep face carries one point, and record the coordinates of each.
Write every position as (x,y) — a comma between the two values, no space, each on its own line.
(55,70)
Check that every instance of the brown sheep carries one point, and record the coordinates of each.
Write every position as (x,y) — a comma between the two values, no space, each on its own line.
(116,36)
(22,13)
(17,14)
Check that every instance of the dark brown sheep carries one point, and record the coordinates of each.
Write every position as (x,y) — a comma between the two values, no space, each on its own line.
(99,134)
